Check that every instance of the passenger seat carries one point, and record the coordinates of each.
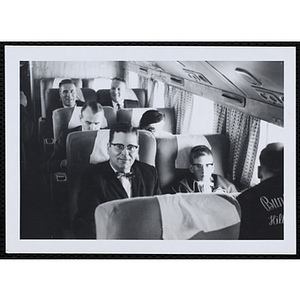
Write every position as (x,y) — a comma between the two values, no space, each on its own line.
(167,151)
(80,146)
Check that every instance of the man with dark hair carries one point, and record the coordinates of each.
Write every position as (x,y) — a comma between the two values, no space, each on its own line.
(118,95)
(91,118)
(122,176)
(154,121)
(201,178)
(262,205)
(67,93)
(67,98)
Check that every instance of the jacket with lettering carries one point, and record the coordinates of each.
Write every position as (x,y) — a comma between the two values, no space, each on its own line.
(262,210)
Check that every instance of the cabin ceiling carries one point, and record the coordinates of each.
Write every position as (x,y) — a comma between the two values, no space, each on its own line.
(258,80)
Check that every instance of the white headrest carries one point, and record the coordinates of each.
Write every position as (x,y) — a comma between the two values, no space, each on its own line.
(184,145)
(99,153)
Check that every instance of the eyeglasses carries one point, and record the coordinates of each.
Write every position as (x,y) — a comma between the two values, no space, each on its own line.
(121,147)
(151,129)
(200,166)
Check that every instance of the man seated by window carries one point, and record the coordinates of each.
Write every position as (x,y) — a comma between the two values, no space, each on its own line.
(91,118)
(154,121)
(122,176)
(262,205)
(118,93)
(201,178)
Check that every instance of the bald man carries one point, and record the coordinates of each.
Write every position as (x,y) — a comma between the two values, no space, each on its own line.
(262,205)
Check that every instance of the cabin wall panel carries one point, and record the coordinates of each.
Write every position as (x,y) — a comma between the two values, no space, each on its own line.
(84,69)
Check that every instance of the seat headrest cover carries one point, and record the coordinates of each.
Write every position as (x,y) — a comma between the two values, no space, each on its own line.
(75,118)
(79,94)
(99,153)
(130,95)
(184,145)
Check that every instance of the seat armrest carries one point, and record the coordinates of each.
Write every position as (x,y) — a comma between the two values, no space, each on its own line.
(48,147)
(60,177)
(41,128)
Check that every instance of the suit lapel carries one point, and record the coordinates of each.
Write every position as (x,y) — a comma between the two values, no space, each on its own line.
(114,183)
(136,181)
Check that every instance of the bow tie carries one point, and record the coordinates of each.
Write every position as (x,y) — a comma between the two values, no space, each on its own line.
(121,174)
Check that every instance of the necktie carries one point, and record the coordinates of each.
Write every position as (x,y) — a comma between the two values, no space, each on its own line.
(121,174)
(118,105)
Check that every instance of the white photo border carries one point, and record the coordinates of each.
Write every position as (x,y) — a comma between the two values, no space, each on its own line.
(16,53)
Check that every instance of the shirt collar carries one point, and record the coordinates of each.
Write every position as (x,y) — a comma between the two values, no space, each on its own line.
(69,106)
(114,169)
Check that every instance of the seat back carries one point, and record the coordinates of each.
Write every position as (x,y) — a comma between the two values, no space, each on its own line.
(160,217)
(48,83)
(103,96)
(60,119)
(133,116)
(167,150)
(62,116)
(80,146)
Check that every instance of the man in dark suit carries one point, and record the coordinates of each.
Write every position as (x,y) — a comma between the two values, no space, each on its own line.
(122,176)
(118,92)
(262,205)
(91,118)
(67,98)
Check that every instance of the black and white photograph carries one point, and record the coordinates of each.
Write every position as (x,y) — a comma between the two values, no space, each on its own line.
(150,149)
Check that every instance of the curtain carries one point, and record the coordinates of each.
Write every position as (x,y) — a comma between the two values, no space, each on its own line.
(243,133)
(152,88)
(149,85)
(143,82)
(182,101)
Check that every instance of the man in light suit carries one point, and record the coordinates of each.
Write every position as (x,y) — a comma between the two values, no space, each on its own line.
(122,176)
(118,94)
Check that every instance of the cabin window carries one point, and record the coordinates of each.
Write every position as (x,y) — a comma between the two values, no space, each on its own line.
(202,116)
(269,133)
(132,80)
(159,89)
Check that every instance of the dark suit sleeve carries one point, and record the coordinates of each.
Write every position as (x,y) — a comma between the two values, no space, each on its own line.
(88,200)
(145,182)
(26,124)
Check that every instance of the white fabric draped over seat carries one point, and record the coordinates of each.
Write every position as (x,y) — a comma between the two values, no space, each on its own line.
(184,215)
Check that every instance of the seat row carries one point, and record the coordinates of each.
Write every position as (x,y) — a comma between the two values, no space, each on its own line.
(63,118)
(168,154)
(51,97)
